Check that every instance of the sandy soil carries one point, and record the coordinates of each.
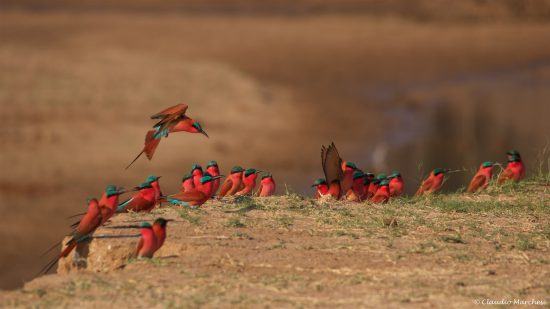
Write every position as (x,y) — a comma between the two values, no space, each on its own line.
(287,251)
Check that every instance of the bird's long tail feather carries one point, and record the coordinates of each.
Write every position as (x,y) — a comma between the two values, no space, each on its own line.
(151,144)
(51,248)
(76,215)
(70,246)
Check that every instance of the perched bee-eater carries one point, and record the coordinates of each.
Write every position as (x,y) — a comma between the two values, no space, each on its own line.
(383,193)
(348,168)
(433,183)
(196,197)
(147,245)
(187,183)
(213,169)
(196,171)
(515,169)
(233,182)
(321,187)
(397,185)
(249,181)
(357,190)
(267,186)
(482,177)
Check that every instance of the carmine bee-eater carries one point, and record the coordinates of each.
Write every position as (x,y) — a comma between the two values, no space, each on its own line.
(321,187)
(147,244)
(249,181)
(515,169)
(383,193)
(332,168)
(196,171)
(357,190)
(172,119)
(373,187)
(367,179)
(196,197)
(397,185)
(213,169)
(433,183)
(154,182)
(348,168)
(96,215)
(482,177)
(159,229)
(143,200)
(267,186)
(187,183)
(233,182)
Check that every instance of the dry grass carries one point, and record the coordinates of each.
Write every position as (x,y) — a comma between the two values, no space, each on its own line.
(289,251)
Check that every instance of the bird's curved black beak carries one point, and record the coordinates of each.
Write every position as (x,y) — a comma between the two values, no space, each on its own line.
(204,133)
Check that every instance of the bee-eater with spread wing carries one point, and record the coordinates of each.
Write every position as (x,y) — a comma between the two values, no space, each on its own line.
(321,187)
(213,169)
(433,183)
(515,169)
(249,181)
(267,186)
(397,185)
(332,168)
(482,177)
(172,119)
(196,197)
(233,182)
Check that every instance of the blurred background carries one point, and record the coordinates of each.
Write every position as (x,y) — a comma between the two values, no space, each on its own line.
(398,85)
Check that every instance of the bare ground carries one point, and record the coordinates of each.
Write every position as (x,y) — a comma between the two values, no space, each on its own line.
(287,251)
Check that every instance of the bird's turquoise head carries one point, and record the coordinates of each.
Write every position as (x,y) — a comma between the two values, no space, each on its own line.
(152,178)
(196,167)
(111,190)
(319,181)
(236,169)
(186,176)
(384,182)
(369,175)
(376,181)
(212,163)
(199,128)
(358,175)
(381,176)
(438,171)
(513,152)
(351,165)
(144,185)
(487,164)
(267,175)
(145,225)
(208,178)
(161,221)
(250,171)
(513,158)
(394,174)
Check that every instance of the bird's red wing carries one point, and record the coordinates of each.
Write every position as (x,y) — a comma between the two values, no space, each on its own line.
(151,144)
(476,183)
(138,203)
(178,109)
(332,164)
(425,186)
(91,219)
(227,184)
(188,196)
(507,174)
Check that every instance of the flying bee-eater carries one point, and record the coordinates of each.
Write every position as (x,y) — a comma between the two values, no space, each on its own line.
(172,119)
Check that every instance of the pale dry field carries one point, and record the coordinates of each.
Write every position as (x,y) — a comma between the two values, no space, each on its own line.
(76,87)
